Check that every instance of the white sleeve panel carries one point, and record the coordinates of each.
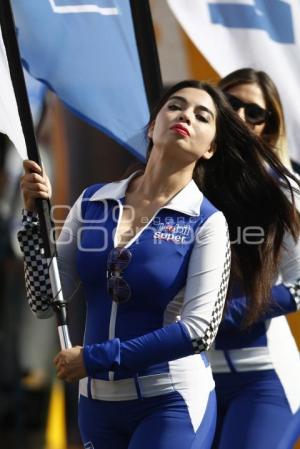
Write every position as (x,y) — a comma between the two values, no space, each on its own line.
(207,280)
(67,245)
(296,191)
(289,263)
(289,266)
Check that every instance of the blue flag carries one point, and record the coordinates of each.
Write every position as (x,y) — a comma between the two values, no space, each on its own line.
(85,51)
(36,92)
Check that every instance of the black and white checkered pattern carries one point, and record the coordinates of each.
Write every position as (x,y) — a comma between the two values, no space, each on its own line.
(37,279)
(295,291)
(204,343)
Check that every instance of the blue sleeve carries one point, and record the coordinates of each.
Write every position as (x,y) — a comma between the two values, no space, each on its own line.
(282,303)
(168,343)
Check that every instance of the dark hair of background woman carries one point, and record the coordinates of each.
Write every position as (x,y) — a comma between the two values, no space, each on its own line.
(241,180)
(275,127)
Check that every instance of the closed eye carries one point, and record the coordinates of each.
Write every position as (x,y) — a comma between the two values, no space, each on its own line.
(174,107)
(202,118)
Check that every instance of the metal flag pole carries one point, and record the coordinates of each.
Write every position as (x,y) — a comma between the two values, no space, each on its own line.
(146,45)
(43,206)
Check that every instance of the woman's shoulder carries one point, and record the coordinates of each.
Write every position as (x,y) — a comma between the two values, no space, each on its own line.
(91,190)
(211,215)
(108,190)
(207,207)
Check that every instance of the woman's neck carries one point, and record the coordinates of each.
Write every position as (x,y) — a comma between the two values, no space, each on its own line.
(162,179)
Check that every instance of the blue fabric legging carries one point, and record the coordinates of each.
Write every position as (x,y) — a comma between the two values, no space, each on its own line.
(161,422)
(253,412)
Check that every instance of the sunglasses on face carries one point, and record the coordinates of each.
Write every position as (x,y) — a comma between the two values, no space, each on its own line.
(254,114)
(117,261)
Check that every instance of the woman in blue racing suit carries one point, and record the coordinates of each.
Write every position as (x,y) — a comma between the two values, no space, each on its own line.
(152,255)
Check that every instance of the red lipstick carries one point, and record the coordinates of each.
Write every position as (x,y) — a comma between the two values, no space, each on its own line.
(180,129)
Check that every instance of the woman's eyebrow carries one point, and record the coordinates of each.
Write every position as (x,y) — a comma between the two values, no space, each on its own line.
(201,107)
(177,97)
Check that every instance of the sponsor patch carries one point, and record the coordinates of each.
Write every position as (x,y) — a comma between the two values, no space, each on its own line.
(176,233)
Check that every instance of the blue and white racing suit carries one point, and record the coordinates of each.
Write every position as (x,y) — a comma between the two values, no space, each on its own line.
(144,358)
(257,370)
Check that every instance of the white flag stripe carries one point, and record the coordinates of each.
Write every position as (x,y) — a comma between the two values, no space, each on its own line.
(77,9)
(9,117)
(231,48)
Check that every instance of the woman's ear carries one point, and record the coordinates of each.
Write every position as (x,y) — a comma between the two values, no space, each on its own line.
(210,152)
(150,130)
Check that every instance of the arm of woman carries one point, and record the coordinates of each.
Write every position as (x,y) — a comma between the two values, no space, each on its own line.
(285,296)
(204,298)
(35,184)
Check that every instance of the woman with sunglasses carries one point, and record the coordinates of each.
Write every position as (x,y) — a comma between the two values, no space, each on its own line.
(152,255)
(254,96)
(255,360)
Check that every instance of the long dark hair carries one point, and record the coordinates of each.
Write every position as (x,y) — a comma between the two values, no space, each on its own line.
(243,180)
